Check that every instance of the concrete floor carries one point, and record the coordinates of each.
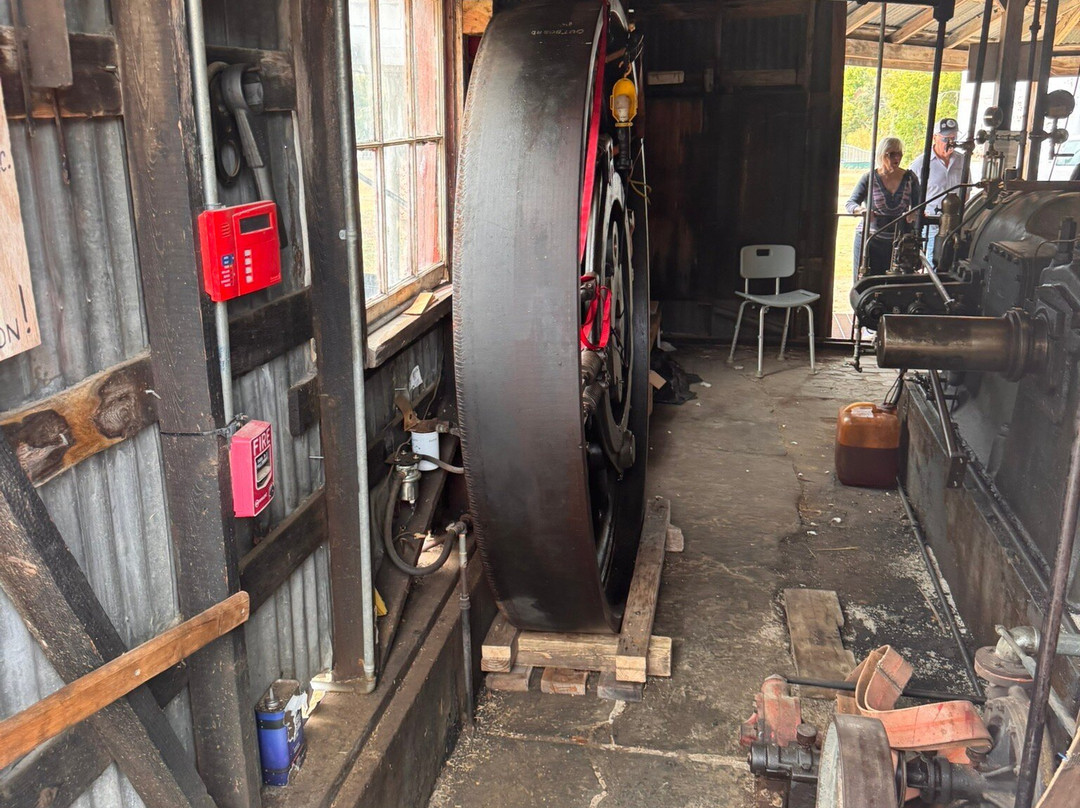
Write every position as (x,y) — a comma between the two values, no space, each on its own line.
(748,467)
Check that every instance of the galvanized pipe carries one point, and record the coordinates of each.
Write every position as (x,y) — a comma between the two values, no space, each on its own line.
(1015,344)
(1045,58)
(1031,78)
(350,234)
(946,298)
(1059,581)
(942,13)
(466,624)
(980,68)
(204,133)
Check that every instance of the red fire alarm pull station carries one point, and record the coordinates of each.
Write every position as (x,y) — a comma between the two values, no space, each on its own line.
(241,252)
(251,459)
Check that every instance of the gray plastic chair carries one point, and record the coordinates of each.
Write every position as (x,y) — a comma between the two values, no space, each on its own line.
(765,262)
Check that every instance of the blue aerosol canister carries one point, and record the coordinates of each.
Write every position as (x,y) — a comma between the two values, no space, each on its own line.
(279,718)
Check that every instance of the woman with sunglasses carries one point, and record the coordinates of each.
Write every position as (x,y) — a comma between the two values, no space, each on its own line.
(894,191)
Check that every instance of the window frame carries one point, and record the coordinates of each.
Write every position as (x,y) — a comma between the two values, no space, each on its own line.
(419,279)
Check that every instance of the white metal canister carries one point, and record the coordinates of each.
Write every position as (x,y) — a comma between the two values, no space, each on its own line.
(426,443)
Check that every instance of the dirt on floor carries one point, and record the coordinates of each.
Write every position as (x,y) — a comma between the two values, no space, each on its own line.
(748,467)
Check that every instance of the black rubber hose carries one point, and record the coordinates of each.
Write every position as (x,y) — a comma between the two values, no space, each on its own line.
(442,464)
(391,549)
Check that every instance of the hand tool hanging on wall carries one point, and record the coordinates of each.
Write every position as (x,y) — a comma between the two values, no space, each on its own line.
(236,94)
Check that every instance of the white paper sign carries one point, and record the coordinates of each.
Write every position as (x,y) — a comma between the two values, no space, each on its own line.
(18,316)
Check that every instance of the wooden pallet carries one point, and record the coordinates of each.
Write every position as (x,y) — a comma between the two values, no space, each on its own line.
(624,660)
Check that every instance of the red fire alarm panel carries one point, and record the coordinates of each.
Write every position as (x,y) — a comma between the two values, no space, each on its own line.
(251,459)
(241,252)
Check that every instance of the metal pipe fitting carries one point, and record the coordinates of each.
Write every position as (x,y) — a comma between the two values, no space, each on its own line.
(1013,345)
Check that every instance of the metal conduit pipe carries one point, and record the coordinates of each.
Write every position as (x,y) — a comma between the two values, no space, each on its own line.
(980,69)
(350,233)
(205,135)
(1031,78)
(943,11)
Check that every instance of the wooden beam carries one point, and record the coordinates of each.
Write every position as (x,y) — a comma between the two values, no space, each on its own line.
(475,16)
(912,27)
(759,78)
(95,89)
(262,334)
(63,769)
(303,405)
(590,652)
(163,170)
(49,590)
(318,114)
(275,70)
(280,554)
(637,623)
(94,691)
(863,52)
(52,435)
(862,15)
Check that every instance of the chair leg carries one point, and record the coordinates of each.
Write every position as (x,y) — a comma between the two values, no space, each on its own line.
(761,339)
(810,315)
(738,325)
(783,339)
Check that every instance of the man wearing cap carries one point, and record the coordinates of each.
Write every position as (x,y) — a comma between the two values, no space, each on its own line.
(946,170)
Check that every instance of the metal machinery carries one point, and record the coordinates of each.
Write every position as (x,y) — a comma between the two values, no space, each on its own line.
(551,292)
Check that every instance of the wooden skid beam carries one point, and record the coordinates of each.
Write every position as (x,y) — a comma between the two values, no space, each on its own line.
(499,650)
(95,89)
(610,688)
(164,172)
(640,611)
(52,435)
(54,599)
(95,691)
(590,652)
(280,554)
(516,680)
(564,682)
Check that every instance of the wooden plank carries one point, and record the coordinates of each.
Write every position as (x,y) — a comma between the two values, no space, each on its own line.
(564,682)
(386,341)
(52,435)
(60,772)
(95,87)
(814,620)
(313,25)
(392,583)
(916,24)
(610,688)
(863,53)
(515,680)
(275,70)
(267,332)
(498,654)
(44,582)
(862,15)
(163,171)
(592,652)
(45,23)
(674,542)
(94,691)
(303,405)
(630,660)
(270,563)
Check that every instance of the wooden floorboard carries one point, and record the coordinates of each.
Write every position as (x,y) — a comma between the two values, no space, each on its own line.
(814,620)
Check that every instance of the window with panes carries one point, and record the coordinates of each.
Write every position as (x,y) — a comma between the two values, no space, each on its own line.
(397,71)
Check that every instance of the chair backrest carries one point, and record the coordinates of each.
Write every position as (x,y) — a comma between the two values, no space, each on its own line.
(761,261)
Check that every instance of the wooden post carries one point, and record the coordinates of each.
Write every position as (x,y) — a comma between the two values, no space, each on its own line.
(319,114)
(54,599)
(159,131)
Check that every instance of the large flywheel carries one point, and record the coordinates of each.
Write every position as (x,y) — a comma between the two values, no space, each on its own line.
(551,294)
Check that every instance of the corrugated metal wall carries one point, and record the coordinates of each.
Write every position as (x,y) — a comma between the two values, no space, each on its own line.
(111,508)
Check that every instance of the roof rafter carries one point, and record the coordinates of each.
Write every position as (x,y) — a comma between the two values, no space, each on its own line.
(912,26)
(860,16)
